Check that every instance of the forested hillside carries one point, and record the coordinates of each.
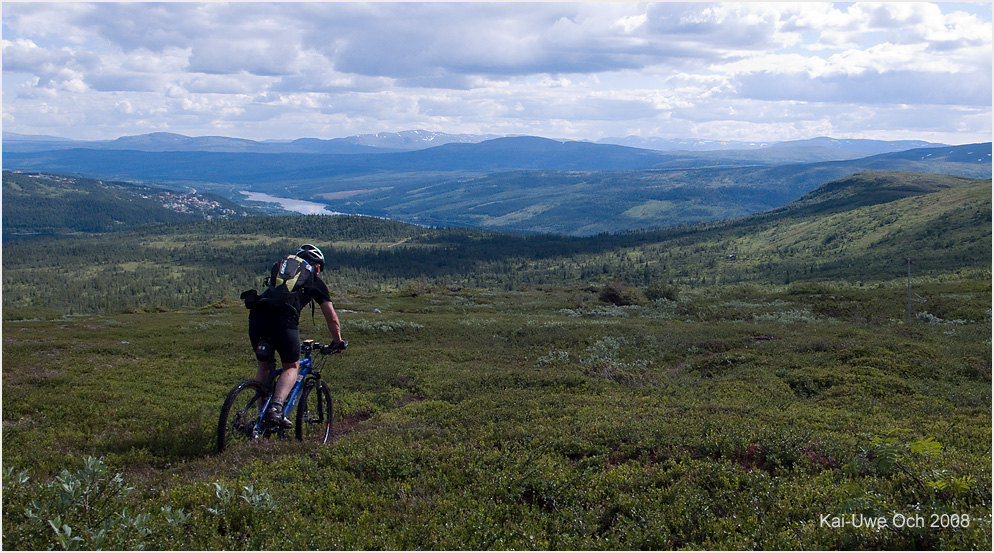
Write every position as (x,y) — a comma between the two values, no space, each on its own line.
(675,192)
(45,204)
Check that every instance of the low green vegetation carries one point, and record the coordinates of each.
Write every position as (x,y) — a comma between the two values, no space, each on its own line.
(639,391)
(731,418)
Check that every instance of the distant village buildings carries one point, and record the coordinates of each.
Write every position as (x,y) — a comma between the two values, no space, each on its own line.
(175,201)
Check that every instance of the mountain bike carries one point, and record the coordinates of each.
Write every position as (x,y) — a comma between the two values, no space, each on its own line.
(243,412)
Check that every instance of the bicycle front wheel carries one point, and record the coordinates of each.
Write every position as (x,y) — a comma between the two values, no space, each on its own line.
(314,412)
(240,413)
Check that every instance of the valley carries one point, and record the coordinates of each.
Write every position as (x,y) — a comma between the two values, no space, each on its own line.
(515,184)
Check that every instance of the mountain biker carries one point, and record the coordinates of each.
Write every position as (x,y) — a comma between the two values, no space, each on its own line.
(275,329)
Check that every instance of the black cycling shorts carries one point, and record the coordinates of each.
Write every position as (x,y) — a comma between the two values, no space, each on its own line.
(268,339)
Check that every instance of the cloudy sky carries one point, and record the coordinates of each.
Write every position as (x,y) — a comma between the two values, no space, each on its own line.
(744,71)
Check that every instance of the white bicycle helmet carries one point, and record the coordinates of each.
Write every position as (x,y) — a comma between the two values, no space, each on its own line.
(312,254)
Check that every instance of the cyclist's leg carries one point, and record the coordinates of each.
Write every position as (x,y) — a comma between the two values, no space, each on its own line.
(287,344)
(260,334)
(263,371)
(263,374)
(266,362)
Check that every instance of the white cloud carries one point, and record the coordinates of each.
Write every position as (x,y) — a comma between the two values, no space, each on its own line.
(632,22)
(585,69)
(239,83)
(267,56)
(24,55)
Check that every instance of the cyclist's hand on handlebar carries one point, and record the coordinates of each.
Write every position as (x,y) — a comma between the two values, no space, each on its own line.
(334,347)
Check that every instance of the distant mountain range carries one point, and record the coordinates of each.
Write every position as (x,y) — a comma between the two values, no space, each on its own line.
(180,166)
(856,147)
(419,139)
(171,142)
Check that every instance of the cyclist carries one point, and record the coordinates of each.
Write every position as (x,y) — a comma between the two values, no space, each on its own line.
(273,325)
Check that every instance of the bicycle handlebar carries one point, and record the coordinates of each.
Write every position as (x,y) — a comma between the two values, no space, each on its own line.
(334,348)
(308,346)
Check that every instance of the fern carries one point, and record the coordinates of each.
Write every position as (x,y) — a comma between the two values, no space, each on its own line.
(928,446)
(885,454)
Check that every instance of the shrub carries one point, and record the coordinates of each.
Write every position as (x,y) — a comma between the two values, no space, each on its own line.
(791,316)
(419,287)
(385,326)
(659,290)
(618,294)
(603,360)
(85,509)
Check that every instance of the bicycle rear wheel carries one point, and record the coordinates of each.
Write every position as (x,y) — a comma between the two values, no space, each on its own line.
(240,413)
(314,412)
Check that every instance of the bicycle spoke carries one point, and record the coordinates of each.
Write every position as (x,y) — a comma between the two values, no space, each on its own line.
(314,412)
(239,425)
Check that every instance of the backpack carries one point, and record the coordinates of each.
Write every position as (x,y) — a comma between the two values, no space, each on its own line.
(286,287)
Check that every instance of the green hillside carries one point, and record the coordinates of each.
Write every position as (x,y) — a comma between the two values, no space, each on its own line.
(38,203)
(871,188)
(943,222)
(860,229)
(640,391)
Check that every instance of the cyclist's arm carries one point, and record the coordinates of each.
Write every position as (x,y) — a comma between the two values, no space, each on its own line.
(334,325)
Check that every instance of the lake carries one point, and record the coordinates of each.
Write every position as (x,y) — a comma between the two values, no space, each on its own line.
(289,204)
(305,207)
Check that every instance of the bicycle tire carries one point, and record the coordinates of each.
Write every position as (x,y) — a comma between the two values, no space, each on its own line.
(314,412)
(239,413)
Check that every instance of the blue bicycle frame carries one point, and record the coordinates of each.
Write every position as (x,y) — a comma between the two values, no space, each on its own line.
(306,364)
(244,416)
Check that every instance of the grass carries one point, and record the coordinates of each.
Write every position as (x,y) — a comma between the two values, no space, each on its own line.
(735,417)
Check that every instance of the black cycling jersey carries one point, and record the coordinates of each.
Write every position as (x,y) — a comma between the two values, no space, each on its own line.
(278,328)
(317,291)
